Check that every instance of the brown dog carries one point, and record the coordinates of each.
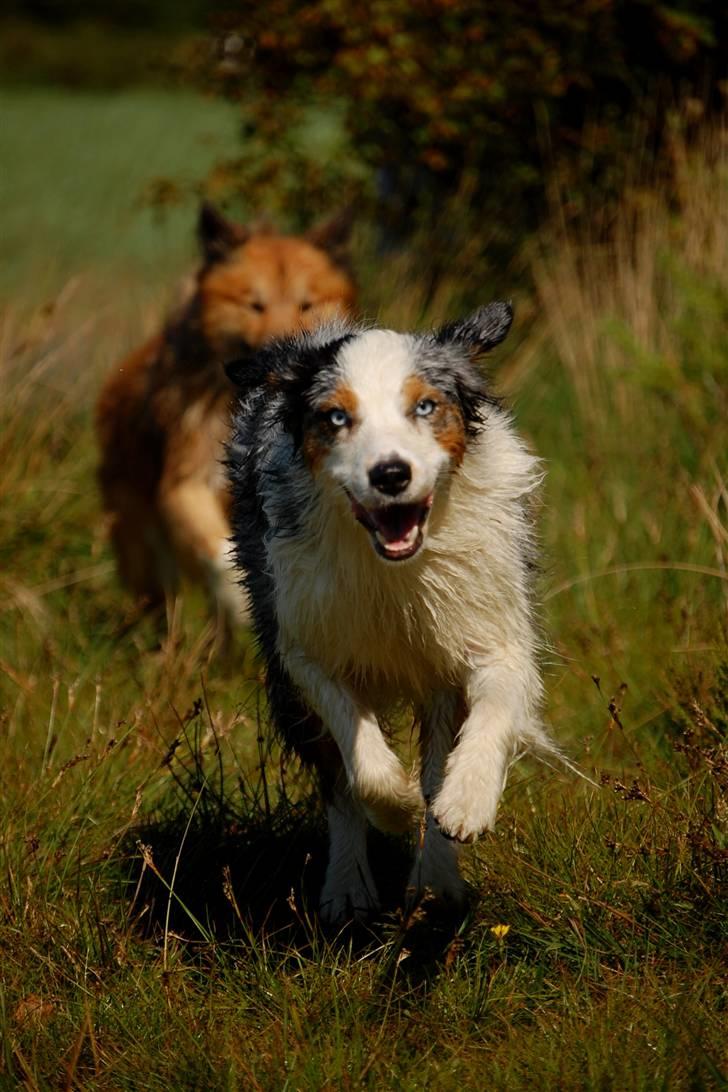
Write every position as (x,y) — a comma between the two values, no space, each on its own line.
(163,415)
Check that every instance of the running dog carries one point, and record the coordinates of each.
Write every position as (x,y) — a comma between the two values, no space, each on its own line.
(381,520)
(163,414)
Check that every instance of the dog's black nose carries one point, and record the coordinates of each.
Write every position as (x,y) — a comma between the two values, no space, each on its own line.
(391,477)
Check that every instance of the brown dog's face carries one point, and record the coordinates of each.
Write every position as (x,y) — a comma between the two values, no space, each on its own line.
(254,287)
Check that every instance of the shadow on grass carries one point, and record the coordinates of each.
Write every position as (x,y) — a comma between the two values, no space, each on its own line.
(217,866)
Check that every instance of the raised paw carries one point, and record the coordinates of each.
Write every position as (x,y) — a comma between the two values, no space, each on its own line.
(466,805)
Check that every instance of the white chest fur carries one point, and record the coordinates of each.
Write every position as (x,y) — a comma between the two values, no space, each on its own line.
(400,630)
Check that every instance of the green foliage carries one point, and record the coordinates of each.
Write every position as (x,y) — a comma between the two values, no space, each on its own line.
(87,55)
(476,98)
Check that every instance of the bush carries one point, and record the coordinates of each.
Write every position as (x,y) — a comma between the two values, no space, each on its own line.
(471,98)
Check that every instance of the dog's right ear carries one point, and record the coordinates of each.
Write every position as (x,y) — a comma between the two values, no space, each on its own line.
(249,370)
(333,235)
(217,235)
(286,365)
(289,368)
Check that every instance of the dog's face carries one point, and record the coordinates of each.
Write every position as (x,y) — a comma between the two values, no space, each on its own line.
(386,428)
(254,287)
(384,417)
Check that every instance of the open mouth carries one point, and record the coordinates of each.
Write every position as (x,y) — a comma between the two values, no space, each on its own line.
(397,529)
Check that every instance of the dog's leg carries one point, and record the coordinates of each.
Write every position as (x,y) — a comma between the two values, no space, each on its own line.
(388,796)
(501,696)
(349,890)
(135,535)
(436,861)
(200,533)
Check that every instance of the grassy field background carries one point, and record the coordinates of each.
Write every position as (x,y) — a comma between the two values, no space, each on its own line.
(156,910)
(79,173)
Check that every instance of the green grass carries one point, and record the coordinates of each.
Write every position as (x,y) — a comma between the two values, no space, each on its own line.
(78,173)
(159,869)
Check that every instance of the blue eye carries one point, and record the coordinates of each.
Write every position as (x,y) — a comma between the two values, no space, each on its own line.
(424,407)
(338,418)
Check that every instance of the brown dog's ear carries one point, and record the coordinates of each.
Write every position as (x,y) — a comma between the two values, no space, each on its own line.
(217,235)
(332,235)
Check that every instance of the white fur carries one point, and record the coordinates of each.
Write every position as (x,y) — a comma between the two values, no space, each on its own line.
(375,367)
(374,772)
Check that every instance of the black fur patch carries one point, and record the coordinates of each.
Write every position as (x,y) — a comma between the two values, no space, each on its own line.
(288,367)
(451,370)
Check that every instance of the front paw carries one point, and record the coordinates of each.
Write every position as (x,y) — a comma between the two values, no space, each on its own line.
(466,806)
(435,870)
(353,902)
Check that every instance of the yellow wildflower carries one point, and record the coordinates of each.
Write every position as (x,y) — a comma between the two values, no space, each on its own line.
(500,931)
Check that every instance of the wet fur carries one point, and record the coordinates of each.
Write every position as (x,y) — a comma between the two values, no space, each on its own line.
(163,414)
(349,636)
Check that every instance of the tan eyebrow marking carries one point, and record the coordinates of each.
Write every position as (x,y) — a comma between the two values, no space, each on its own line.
(446,421)
(319,436)
(341,398)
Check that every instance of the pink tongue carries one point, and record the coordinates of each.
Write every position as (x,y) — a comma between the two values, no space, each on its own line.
(394,524)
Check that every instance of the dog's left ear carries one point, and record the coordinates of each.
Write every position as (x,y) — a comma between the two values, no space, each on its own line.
(477,334)
(217,235)
(481,331)
(333,235)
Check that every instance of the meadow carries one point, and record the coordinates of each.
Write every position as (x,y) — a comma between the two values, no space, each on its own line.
(160,859)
